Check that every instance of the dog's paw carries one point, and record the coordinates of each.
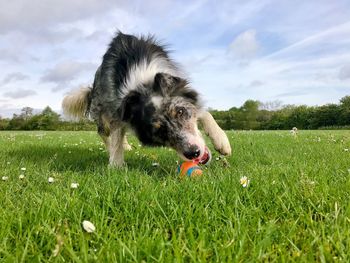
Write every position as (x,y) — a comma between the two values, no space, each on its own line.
(127,147)
(116,163)
(221,143)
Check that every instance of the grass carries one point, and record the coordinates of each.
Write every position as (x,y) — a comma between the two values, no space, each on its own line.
(296,207)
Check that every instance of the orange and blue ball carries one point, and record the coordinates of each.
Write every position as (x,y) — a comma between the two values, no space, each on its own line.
(189,169)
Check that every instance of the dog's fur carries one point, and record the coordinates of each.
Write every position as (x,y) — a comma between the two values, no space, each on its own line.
(138,86)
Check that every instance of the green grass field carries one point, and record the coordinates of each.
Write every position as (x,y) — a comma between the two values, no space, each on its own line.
(296,207)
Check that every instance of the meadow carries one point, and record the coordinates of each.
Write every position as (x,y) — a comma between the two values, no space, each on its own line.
(295,208)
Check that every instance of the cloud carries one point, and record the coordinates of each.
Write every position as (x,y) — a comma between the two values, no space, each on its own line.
(8,54)
(256,83)
(293,93)
(98,35)
(15,76)
(344,72)
(66,71)
(230,48)
(323,41)
(37,13)
(52,36)
(20,93)
(7,110)
(245,45)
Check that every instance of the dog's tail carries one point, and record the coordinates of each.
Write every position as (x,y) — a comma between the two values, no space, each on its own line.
(76,103)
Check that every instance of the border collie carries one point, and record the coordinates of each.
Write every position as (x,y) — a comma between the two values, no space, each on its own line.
(138,86)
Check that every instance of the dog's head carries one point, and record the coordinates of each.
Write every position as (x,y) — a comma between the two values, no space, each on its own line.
(164,113)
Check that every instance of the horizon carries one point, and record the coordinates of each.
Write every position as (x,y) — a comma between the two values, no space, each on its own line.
(8,113)
(297,52)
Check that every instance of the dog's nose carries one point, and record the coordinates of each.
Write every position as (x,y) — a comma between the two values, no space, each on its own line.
(192,153)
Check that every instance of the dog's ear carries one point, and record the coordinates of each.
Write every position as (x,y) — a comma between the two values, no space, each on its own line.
(189,94)
(129,105)
(172,86)
(165,83)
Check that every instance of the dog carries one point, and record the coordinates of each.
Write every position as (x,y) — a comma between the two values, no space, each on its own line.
(139,87)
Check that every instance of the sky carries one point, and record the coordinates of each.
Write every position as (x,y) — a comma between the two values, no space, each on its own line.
(296,52)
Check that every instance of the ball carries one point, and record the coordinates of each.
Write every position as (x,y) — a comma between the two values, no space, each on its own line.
(190,169)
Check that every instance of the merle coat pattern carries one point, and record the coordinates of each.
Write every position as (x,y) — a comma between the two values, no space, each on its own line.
(139,87)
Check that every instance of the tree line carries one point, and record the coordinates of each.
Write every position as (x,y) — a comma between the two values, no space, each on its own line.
(256,115)
(252,114)
(47,120)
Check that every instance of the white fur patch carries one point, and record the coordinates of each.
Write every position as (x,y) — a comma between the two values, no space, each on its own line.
(75,103)
(157,101)
(216,134)
(195,139)
(144,73)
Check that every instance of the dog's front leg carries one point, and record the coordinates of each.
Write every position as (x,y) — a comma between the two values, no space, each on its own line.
(115,145)
(126,145)
(215,133)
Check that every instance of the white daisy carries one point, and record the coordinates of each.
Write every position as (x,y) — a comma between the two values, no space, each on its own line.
(74,185)
(155,164)
(88,226)
(21,176)
(4,178)
(244,181)
(51,180)
(23,169)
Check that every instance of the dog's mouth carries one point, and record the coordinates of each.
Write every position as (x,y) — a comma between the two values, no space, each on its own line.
(206,157)
(192,147)
(203,157)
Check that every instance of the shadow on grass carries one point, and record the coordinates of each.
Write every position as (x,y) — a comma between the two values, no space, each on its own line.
(59,158)
(81,159)
(145,165)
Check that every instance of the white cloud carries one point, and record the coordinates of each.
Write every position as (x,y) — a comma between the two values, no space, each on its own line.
(245,45)
(298,54)
(14,76)
(66,71)
(334,36)
(344,72)
(256,83)
(20,93)
(24,15)
(9,54)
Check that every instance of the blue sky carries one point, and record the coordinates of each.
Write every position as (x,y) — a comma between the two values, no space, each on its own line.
(297,52)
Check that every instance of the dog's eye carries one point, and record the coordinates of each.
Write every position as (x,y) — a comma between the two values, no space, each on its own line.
(180,112)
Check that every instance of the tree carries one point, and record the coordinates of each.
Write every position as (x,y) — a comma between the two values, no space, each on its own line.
(344,118)
(345,101)
(250,109)
(27,112)
(299,117)
(48,119)
(326,115)
(271,105)
(16,123)
(3,123)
